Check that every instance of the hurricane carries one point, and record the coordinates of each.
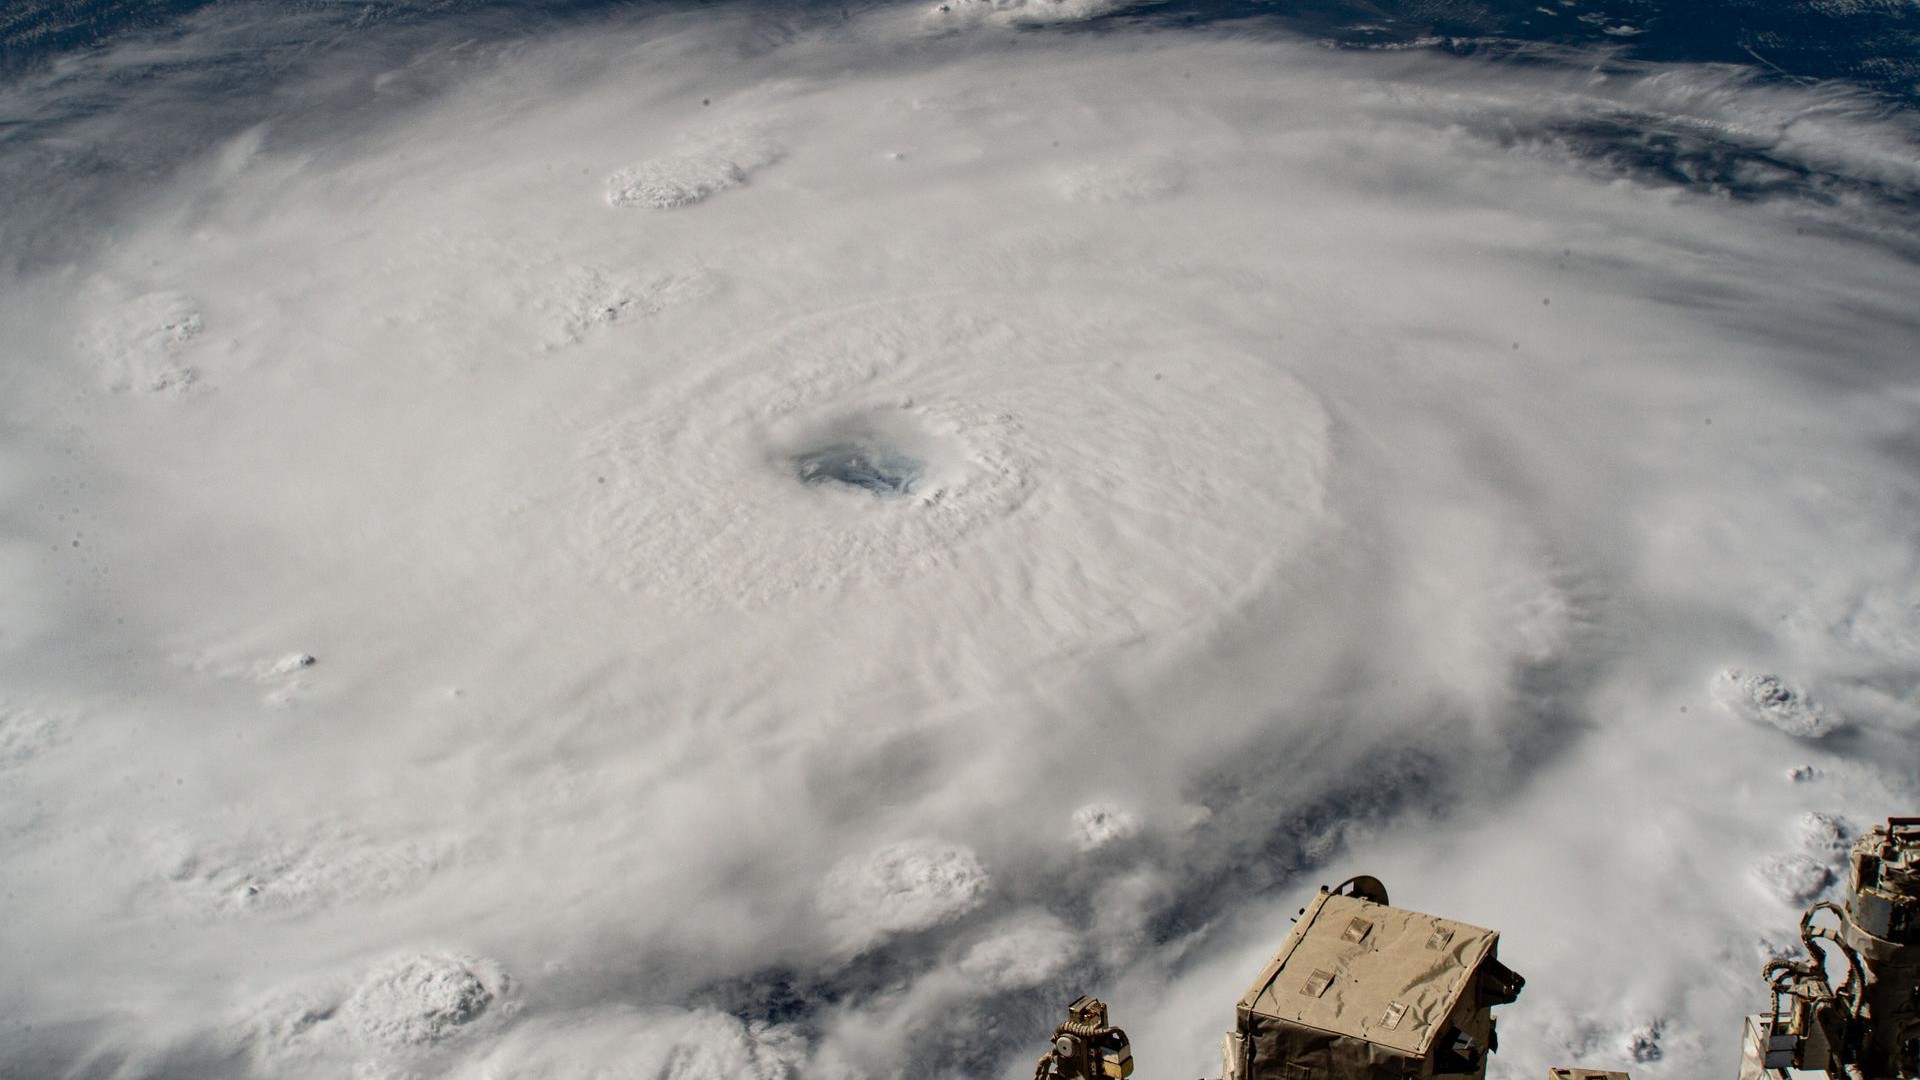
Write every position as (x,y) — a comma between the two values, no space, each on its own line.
(790,541)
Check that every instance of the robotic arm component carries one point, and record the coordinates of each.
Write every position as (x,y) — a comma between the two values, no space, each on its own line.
(1086,1047)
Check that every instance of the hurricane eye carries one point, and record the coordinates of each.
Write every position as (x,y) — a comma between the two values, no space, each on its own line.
(869,467)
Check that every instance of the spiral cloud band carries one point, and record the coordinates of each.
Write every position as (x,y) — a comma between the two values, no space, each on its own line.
(738,544)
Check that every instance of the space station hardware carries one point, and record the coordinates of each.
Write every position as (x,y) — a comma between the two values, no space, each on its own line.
(1869,1027)
(1361,989)
(1086,1047)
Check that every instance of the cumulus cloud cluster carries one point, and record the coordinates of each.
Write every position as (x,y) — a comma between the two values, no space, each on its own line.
(1768,699)
(712,546)
(901,888)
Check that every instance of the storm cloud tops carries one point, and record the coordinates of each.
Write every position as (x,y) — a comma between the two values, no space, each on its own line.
(752,543)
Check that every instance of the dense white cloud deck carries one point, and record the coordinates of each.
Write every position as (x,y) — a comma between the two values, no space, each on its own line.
(689,559)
